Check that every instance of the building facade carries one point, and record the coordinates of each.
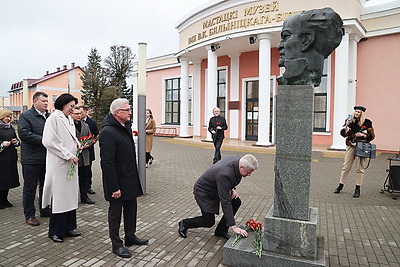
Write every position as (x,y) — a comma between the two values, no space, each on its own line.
(228,58)
(52,83)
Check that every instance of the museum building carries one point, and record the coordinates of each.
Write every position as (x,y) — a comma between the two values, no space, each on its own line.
(228,58)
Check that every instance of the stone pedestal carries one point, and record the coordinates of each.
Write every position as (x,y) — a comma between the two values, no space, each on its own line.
(294,120)
(242,255)
(290,229)
(291,237)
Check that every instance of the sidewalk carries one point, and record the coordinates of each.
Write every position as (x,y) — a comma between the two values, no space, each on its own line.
(357,232)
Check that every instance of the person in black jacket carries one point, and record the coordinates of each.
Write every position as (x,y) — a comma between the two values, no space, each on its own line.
(216,127)
(33,156)
(8,157)
(357,128)
(95,131)
(217,186)
(120,175)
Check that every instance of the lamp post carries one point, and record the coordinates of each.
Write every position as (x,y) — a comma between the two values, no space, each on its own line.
(141,112)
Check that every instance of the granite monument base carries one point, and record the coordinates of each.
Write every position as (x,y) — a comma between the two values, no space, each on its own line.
(291,237)
(242,255)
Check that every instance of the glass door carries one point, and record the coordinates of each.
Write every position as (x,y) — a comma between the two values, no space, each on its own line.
(252,110)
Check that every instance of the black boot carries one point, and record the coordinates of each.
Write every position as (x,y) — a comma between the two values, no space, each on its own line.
(338,189)
(357,191)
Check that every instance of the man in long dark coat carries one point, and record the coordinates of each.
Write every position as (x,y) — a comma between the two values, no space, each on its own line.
(215,186)
(216,126)
(120,175)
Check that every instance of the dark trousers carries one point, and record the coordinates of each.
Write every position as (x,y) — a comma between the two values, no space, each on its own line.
(84,180)
(208,219)
(3,196)
(217,145)
(33,175)
(61,223)
(129,208)
(90,174)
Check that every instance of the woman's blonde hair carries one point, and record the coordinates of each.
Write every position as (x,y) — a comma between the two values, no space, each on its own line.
(5,112)
(362,118)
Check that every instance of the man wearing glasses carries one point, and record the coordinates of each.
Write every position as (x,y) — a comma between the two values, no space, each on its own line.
(120,176)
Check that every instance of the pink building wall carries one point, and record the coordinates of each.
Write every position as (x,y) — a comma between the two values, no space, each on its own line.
(155,88)
(378,87)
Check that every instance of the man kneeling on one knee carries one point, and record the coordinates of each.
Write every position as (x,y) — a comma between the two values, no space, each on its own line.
(215,186)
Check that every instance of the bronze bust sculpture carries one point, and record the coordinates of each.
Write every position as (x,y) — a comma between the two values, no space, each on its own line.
(307,38)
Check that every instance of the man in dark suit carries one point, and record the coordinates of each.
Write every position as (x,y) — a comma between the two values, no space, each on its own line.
(216,127)
(33,156)
(120,175)
(215,186)
(82,130)
(95,131)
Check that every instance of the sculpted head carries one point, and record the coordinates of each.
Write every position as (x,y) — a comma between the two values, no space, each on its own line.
(307,38)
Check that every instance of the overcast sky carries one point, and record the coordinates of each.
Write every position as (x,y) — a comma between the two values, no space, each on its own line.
(41,35)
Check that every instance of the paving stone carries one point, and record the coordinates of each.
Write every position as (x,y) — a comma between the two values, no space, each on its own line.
(357,232)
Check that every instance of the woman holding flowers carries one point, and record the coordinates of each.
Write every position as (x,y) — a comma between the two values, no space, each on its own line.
(60,140)
(8,157)
(357,128)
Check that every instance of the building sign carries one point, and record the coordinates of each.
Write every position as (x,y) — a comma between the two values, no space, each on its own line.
(241,18)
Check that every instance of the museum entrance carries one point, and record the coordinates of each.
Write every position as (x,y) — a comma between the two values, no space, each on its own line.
(252,110)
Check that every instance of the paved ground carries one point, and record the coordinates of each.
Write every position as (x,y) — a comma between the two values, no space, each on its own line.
(357,232)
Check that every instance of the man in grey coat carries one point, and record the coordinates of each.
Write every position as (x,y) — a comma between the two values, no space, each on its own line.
(82,130)
(215,186)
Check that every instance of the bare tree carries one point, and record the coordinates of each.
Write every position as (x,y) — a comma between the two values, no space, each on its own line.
(119,65)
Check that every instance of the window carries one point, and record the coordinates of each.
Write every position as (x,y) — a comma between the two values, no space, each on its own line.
(221,90)
(172,101)
(320,101)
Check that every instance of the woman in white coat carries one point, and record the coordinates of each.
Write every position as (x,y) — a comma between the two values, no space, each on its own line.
(60,191)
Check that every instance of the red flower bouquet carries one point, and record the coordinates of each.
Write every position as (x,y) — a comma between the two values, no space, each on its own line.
(83,141)
(257,242)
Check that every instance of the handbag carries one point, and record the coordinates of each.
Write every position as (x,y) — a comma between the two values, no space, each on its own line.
(365,150)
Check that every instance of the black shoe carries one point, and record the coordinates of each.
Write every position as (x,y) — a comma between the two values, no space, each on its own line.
(56,238)
(44,214)
(182,230)
(8,204)
(136,241)
(87,201)
(72,233)
(224,235)
(338,189)
(357,192)
(91,191)
(122,252)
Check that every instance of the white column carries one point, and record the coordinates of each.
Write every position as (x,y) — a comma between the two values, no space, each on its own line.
(340,106)
(234,96)
(264,91)
(184,97)
(196,98)
(353,39)
(211,90)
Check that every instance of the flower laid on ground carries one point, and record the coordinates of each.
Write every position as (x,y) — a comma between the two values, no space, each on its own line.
(83,141)
(257,242)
